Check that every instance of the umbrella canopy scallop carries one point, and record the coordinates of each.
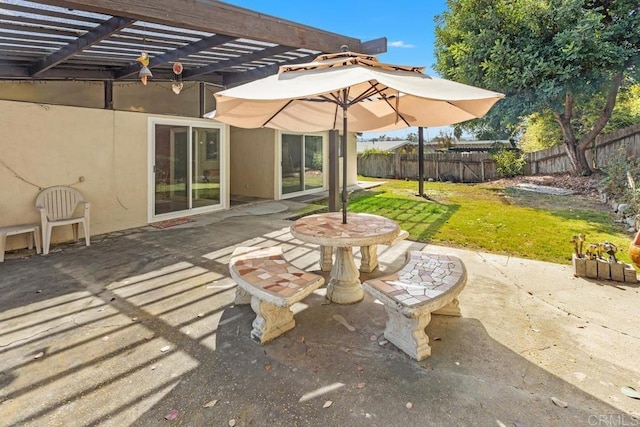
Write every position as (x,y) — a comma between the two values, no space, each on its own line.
(377,96)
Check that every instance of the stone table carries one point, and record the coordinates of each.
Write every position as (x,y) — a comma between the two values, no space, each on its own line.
(327,230)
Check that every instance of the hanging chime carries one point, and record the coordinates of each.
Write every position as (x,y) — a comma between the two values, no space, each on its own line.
(177,85)
(144,72)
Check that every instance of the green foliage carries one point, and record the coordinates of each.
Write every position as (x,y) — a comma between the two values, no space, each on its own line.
(509,163)
(540,131)
(621,175)
(316,161)
(375,151)
(444,139)
(540,53)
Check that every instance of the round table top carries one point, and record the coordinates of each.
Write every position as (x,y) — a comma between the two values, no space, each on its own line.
(361,229)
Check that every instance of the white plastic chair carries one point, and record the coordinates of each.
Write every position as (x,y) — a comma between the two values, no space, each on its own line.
(58,206)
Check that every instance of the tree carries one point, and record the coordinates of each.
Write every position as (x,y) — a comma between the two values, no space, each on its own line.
(548,56)
(445,140)
(540,130)
(412,137)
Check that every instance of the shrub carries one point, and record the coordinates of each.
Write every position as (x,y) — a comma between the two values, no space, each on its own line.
(509,163)
(621,175)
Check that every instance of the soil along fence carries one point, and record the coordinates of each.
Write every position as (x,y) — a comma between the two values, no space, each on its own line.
(479,167)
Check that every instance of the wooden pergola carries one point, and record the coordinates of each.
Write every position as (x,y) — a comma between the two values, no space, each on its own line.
(100,40)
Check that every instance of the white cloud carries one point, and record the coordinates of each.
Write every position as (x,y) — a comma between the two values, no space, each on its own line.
(400,43)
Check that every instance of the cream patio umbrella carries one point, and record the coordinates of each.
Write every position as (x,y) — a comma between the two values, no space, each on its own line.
(350,92)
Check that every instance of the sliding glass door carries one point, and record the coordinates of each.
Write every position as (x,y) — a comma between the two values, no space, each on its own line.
(186,169)
(302,163)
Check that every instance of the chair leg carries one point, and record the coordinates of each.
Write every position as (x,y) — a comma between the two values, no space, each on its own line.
(3,245)
(30,240)
(74,227)
(46,238)
(85,226)
(36,238)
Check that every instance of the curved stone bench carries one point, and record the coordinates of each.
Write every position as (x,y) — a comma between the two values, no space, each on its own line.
(427,283)
(273,286)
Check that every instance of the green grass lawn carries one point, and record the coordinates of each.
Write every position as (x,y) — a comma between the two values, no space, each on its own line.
(492,219)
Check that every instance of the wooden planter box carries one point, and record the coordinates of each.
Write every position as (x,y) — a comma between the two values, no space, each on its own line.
(604,270)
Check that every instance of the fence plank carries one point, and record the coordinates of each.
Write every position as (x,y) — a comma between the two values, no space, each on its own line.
(451,166)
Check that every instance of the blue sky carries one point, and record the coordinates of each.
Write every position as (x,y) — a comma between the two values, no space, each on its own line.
(408,26)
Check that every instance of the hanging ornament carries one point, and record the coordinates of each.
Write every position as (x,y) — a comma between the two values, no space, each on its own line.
(177,85)
(144,72)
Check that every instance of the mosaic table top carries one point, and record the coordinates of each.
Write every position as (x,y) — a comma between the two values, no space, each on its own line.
(360,230)
(423,278)
(266,269)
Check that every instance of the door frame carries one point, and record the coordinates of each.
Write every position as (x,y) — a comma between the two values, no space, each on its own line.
(325,159)
(223,155)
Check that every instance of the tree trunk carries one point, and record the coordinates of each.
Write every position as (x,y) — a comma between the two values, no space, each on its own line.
(579,164)
(576,150)
(589,138)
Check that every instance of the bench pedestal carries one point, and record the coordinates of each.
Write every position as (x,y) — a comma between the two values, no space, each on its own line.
(408,333)
(427,284)
(272,285)
(271,321)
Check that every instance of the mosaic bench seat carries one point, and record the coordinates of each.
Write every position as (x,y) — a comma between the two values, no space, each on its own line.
(271,285)
(426,284)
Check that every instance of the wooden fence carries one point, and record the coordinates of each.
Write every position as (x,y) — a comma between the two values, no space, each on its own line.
(479,167)
(624,142)
(440,166)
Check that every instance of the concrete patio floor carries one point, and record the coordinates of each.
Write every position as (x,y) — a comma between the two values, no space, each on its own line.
(141,325)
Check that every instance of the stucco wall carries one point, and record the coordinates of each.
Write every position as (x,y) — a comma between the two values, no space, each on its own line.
(156,97)
(79,94)
(252,168)
(102,153)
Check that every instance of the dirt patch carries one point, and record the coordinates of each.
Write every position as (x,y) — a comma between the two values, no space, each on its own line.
(581,185)
(585,189)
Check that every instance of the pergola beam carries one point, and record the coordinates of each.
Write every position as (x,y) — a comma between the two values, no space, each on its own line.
(90,38)
(176,54)
(235,79)
(258,55)
(205,15)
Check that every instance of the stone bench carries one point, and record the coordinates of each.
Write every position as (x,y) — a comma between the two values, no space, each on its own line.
(369,255)
(271,285)
(426,284)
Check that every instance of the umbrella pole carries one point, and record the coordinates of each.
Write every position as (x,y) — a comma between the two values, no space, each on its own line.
(344,156)
(420,161)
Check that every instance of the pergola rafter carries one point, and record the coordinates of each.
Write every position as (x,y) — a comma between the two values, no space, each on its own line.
(101,39)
